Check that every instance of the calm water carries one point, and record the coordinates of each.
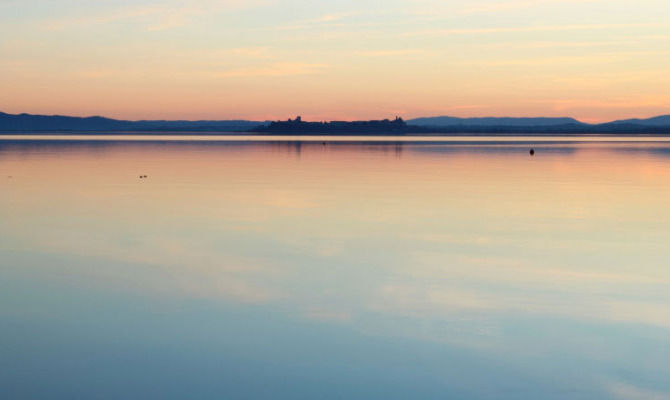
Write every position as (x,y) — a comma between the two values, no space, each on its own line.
(302,270)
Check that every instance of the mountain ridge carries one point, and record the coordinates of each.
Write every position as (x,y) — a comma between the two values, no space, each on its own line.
(488,121)
(440,124)
(61,123)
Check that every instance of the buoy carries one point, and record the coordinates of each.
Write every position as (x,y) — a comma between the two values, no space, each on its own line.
(532,152)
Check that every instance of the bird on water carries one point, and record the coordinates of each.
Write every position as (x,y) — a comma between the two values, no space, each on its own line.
(532,152)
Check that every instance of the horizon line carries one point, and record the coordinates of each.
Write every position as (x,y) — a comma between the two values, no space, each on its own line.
(335,120)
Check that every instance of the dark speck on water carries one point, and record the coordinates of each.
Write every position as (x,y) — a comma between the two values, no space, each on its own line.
(532,152)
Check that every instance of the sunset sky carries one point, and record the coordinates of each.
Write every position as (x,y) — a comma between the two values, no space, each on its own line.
(595,60)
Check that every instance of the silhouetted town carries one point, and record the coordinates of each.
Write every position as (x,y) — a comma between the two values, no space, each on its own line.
(298,126)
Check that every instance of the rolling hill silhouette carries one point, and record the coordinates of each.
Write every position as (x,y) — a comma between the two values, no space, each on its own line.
(28,123)
(492,121)
(58,123)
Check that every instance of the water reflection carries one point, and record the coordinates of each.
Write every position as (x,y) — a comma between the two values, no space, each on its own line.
(344,270)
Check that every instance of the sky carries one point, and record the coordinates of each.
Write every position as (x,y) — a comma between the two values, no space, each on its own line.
(595,60)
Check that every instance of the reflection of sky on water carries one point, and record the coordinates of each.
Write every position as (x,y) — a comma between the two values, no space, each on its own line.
(339,270)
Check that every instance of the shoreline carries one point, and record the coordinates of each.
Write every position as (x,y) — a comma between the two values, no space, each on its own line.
(444,139)
(332,135)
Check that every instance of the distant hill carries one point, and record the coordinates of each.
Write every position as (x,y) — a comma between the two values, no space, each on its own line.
(27,123)
(663,120)
(492,121)
(508,125)
(58,123)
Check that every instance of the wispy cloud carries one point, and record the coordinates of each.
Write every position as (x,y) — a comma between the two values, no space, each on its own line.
(155,17)
(126,13)
(547,61)
(625,391)
(645,100)
(446,10)
(392,53)
(328,315)
(516,5)
(175,18)
(252,52)
(329,20)
(561,44)
(525,29)
(332,17)
(277,69)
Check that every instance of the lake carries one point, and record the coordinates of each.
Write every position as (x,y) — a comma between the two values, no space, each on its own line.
(346,268)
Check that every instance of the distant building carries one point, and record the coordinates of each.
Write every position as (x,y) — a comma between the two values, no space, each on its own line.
(298,126)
